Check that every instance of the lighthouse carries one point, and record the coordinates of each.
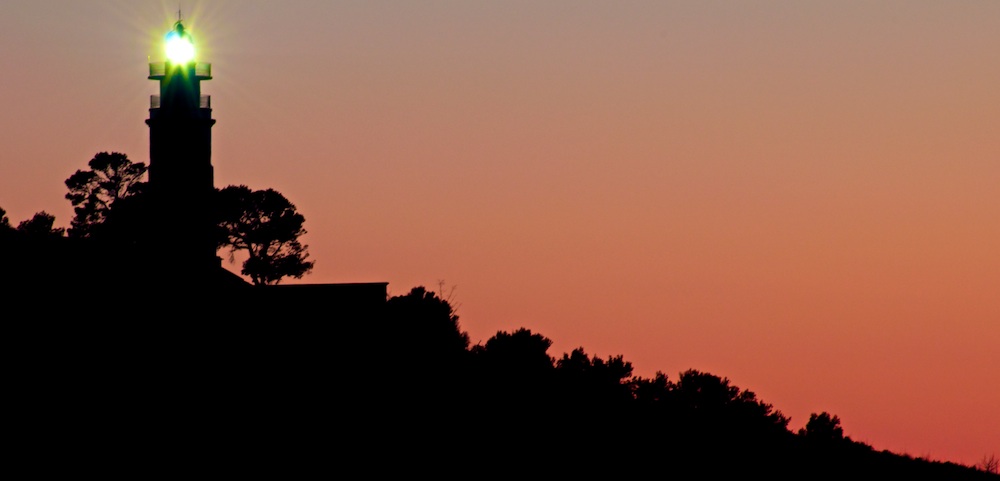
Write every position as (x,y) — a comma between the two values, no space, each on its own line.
(181,179)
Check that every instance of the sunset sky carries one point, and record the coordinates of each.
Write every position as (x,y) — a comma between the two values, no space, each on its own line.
(800,196)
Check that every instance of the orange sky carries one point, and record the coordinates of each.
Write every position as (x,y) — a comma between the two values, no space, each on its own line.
(799,196)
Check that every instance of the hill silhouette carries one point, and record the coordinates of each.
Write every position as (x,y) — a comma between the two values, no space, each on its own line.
(125,360)
(113,379)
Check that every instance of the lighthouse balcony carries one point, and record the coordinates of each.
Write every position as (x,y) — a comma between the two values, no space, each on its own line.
(204,101)
(202,70)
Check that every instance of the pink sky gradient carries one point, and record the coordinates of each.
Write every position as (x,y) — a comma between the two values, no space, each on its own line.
(799,196)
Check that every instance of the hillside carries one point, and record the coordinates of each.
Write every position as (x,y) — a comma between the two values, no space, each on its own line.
(109,385)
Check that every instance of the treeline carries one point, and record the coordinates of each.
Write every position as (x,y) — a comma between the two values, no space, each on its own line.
(117,223)
(111,370)
(151,380)
(510,404)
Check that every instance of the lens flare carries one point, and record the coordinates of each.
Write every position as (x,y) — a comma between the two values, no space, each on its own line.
(180,50)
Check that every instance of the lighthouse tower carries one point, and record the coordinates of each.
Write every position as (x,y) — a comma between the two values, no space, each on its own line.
(181,179)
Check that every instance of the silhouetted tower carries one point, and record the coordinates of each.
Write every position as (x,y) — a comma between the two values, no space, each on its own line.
(181,179)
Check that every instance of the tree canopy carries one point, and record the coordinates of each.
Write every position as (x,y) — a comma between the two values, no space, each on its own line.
(40,225)
(111,204)
(513,407)
(267,226)
(93,193)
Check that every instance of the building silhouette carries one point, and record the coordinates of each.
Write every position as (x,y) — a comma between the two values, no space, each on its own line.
(165,264)
(181,247)
(181,176)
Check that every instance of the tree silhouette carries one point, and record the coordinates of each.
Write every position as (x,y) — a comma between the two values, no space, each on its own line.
(596,382)
(424,326)
(822,427)
(112,177)
(40,226)
(651,392)
(424,345)
(425,356)
(716,416)
(35,253)
(265,225)
(989,464)
(110,204)
(4,221)
(515,376)
(520,354)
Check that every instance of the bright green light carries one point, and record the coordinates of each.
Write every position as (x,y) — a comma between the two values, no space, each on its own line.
(180,50)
